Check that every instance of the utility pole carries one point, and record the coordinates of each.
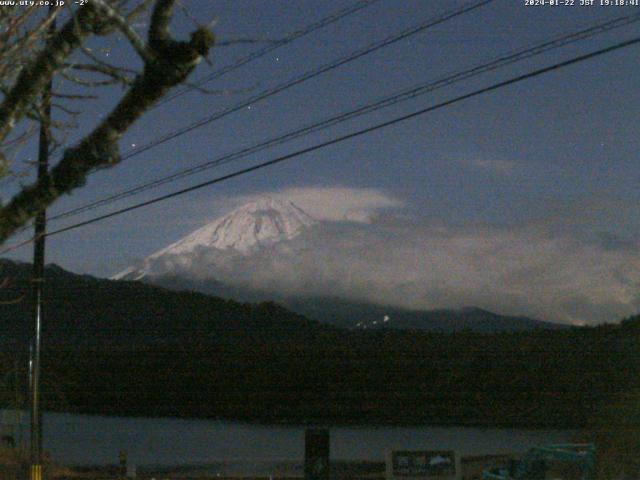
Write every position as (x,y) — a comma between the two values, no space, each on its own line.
(38,279)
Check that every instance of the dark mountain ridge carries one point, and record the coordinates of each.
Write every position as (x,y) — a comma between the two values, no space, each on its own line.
(82,311)
(127,348)
(349,314)
(352,314)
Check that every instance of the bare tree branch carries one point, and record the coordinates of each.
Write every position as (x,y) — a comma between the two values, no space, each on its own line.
(66,110)
(9,51)
(114,74)
(4,284)
(124,26)
(160,19)
(87,83)
(71,96)
(14,301)
(138,9)
(170,64)
(33,78)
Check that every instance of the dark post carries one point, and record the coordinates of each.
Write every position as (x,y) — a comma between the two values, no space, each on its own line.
(122,460)
(38,283)
(316,454)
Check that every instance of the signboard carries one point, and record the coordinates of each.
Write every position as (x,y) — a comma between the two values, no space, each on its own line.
(426,464)
(316,454)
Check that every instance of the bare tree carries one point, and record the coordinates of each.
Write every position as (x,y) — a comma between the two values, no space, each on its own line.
(32,53)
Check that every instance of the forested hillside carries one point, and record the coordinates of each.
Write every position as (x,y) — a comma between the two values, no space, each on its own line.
(132,349)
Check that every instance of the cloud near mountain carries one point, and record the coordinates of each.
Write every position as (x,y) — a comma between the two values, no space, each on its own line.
(537,269)
(335,204)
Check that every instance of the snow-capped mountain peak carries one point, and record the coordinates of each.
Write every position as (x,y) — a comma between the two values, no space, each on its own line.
(258,224)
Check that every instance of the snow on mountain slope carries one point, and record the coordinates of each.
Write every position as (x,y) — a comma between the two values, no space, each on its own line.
(253,226)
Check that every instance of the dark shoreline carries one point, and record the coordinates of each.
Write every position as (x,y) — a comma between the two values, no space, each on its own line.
(326,423)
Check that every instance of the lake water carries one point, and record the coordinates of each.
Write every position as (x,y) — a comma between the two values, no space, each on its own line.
(85,439)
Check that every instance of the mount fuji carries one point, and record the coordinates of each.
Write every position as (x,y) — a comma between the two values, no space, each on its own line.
(248,229)
(259,251)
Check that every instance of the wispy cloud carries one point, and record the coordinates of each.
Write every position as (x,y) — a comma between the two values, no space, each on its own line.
(524,271)
(335,204)
(556,268)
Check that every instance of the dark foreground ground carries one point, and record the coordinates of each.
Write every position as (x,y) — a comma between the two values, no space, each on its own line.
(471,469)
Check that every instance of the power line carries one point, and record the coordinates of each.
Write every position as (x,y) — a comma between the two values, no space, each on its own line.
(323,22)
(270,48)
(355,134)
(411,93)
(340,139)
(19,245)
(431,22)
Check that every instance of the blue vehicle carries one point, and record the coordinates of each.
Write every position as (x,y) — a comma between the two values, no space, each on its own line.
(563,461)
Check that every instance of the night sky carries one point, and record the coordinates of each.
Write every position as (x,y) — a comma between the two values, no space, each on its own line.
(543,170)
